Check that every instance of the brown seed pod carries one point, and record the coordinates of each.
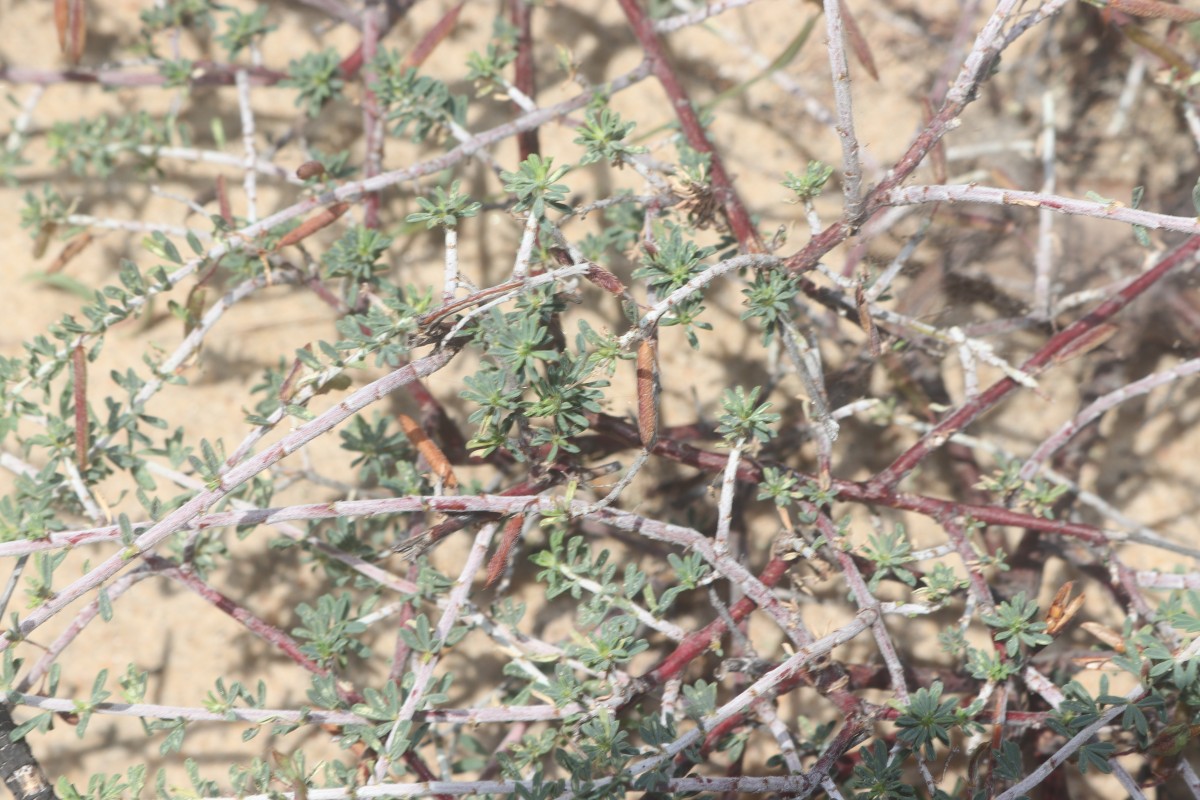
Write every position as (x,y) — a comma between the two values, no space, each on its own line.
(45,233)
(322,219)
(310,169)
(648,389)
(606,280)
(73,248)
(1153,9)
(427,448)
(70,20)
(512,529)
(866,320)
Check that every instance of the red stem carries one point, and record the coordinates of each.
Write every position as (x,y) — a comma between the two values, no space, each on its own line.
(265,631)
(968,412)
(697,643)
(853,491)
(525,79)
(440,30)
(739,219)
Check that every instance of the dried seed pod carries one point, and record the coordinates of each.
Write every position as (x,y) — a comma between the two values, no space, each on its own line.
(606,280)
(1060,611)
(427,448)
(322,219)
(858,42)
(70,19)
(45,234)
(512,529)
(1153,9)
(310,169)
(73,248)
(648,388)
(287,389)
(866,320)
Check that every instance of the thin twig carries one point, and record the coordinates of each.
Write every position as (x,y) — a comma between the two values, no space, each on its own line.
(1098,407)
(1111,210)
(1042,301)
(231,480)
(851,167)
(250,178)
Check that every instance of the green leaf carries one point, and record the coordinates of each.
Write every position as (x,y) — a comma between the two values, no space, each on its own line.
(1095,756)
(927,719)
(158,244)
(104,603)
(744,417)
(318,79)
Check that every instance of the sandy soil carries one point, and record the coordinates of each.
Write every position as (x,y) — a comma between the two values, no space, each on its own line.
(1144,465)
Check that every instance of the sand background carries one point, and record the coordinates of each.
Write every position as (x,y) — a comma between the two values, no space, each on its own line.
(1145,464)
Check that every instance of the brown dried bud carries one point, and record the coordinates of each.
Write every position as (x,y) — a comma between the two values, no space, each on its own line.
(1061,611)
(499,561)
(606,280)
(310,169)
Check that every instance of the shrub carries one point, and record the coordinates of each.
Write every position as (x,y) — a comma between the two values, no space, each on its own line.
(603,399)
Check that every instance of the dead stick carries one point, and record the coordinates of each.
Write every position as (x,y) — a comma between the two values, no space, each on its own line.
(20,770)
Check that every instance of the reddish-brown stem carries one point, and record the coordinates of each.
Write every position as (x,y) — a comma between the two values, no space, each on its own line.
(524,78)
(270,634)
(735,210)
(433,37)
(838,232)
(402,653)
(423,773)
(390,15)
(971,410)
(698,642)
(853,491)
(265,631)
